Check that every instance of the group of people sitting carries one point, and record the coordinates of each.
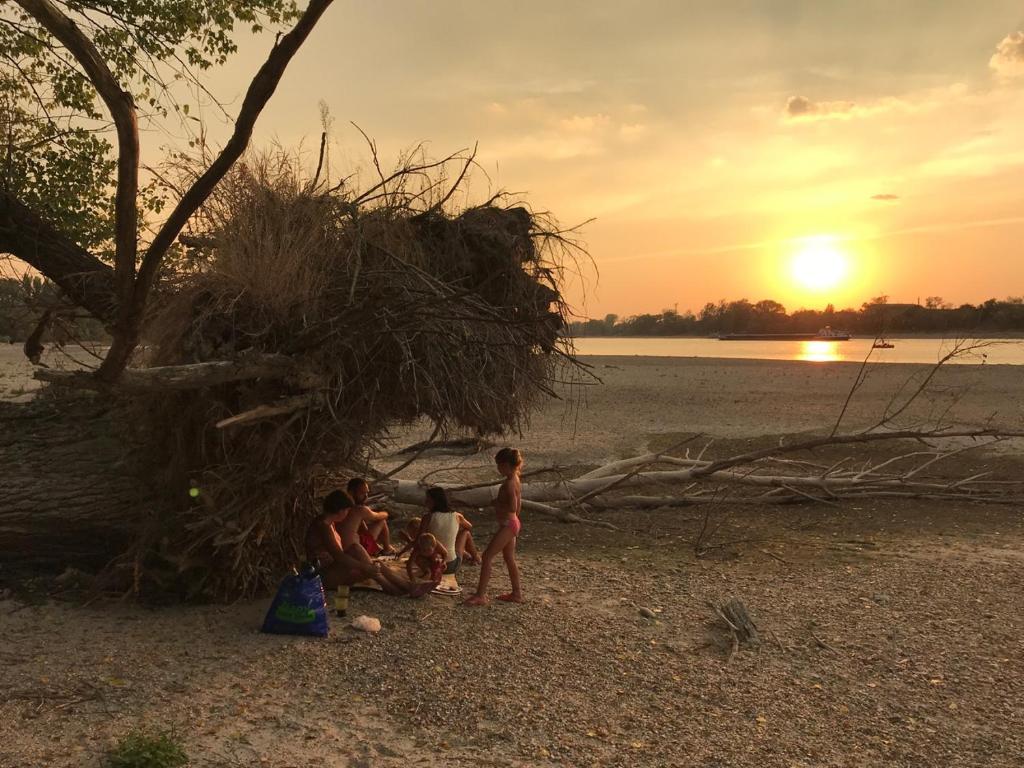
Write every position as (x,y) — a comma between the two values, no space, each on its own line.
(347,535)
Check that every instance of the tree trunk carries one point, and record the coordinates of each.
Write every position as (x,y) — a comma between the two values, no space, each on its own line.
(67,495)
(86,280)
(178,377)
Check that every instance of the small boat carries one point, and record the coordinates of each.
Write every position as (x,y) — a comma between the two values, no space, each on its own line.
(882,344)
(828,333)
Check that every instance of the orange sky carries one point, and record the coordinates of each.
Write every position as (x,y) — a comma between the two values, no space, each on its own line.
(704,140)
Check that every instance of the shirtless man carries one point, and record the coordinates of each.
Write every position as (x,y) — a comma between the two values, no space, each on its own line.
(324,545)
(374,535)
(348,529)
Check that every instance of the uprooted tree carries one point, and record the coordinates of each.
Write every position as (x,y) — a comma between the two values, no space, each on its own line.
(277,322)
(308,323)
(268,332)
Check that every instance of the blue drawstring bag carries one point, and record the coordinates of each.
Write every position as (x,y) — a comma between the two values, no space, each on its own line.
(299,607)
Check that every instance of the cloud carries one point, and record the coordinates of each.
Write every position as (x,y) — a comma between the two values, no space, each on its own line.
(541,129)
(1008,60)
(632,131)
(885,196)
(802,108)
(549,145)
(799,105)
(583,123)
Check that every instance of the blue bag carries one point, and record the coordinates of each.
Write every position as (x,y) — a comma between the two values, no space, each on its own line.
(299,608)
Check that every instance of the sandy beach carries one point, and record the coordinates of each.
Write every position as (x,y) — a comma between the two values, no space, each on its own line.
(893,629)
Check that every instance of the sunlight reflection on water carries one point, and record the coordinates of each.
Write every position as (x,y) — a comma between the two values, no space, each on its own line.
(819,351)
(917,350)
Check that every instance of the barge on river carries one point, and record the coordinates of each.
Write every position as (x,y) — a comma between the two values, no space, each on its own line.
(825,334)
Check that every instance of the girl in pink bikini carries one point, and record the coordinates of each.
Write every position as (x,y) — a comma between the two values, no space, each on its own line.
(507,506)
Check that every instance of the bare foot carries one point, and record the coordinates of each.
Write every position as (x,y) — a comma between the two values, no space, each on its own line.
(477,600)
(511,598)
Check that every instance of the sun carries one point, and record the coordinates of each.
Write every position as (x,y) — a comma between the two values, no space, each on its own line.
(819,264)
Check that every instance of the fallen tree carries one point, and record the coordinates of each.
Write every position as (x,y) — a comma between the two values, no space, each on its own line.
(273,324)
(768,476)
(288,327)
(311,321)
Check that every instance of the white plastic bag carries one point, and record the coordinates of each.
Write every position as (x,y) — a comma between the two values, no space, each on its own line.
(366,624)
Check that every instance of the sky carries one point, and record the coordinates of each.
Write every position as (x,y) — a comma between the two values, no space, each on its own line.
(712,144)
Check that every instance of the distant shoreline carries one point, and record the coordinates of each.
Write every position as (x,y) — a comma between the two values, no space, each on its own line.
(1013,335)
(760,362)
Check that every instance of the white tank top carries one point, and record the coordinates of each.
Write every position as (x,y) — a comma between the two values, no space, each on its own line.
(445,526)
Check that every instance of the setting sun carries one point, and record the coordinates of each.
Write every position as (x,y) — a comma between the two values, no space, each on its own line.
(819,264)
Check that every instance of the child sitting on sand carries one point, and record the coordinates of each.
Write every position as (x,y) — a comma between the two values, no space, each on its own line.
(427,561)
(451,528)
(507,505)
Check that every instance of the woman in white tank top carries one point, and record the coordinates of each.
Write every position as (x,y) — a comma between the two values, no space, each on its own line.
(446,524)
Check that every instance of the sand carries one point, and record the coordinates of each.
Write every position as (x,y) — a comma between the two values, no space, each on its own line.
(893,630)
(16,382)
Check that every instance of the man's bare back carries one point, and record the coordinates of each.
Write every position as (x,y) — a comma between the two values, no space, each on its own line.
(348,529)
(322,537)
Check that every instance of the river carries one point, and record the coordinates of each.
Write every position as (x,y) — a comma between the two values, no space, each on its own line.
(913,350)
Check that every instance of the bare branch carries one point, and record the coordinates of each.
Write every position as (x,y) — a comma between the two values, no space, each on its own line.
(258,94)
(122,109)
(320,162)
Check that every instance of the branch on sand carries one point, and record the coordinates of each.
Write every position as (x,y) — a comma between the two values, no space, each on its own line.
(771,475)
(686,481)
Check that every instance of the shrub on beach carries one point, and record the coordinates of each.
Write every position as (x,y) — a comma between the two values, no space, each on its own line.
(143,749)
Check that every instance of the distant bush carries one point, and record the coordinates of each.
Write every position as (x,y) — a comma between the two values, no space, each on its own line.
(140,749)
(873,318)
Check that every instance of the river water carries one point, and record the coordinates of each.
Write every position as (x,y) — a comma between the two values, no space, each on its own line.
(916,350)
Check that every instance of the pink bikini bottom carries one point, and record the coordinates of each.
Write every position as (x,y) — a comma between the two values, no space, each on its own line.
(514,523)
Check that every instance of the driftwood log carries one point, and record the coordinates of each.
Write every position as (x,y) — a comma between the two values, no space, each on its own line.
(176,377)
(770,476)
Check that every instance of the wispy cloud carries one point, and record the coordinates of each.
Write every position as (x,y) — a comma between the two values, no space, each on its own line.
(584,123)
(802,108)
(885,196)
(632,131)
(542,129)
(1008,60)
(760,245)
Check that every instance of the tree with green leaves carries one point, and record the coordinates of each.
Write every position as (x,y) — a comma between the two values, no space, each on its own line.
(303,320)
(77,75)
(76,79)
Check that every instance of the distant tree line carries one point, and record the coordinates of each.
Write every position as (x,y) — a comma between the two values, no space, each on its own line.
(874,317)
(22,304)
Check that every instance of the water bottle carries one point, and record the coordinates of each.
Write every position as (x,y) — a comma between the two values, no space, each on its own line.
(341,600)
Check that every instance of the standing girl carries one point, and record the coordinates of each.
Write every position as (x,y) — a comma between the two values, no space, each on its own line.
(507,505)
